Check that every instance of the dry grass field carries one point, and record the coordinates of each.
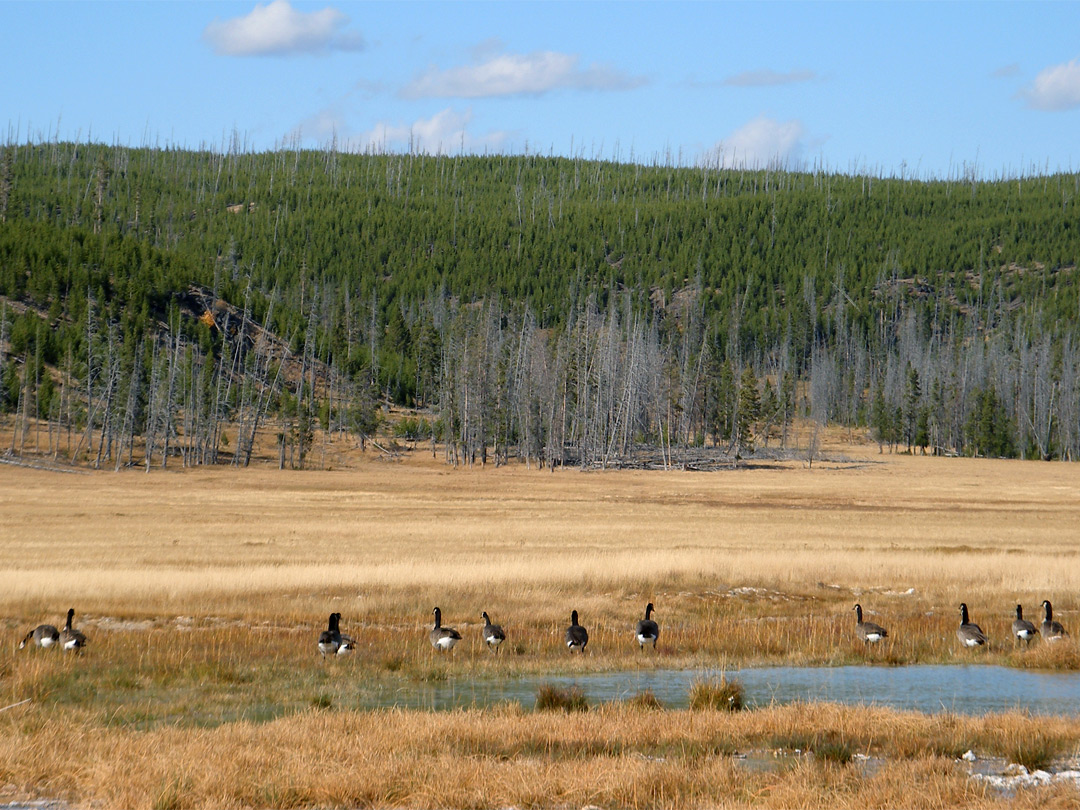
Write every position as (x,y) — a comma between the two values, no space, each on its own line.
(202,592)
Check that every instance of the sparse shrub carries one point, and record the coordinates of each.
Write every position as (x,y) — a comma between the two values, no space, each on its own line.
(645,700)
(322,701)
(550,698)
(412,428)
(393,663)
(717,694)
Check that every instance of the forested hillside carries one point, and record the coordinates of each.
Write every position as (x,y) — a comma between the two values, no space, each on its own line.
(163,303)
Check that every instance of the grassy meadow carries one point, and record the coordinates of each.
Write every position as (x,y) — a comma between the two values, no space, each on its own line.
(202,593)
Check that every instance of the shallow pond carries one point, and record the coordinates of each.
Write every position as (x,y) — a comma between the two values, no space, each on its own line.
(924,688)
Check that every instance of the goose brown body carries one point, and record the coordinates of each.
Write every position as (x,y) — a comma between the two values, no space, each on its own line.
(647,631)
(969,633)
(330,638)
(1022,629)
(869,632)
(44,636)
(1051,630)
(493,634)
(577,637)
(71,640)
(443,638)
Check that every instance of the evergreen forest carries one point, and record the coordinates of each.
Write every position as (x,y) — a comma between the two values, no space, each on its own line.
(164,306)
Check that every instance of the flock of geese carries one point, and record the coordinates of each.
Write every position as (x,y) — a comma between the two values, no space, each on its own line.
(333,642)
(646,632)
(46,636)
(970,634)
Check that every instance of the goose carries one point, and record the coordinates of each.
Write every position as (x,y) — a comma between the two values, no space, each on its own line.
(71,639)
(348,644)
(1051,630)
(493,633)
(577,637)
(647,631)
(330,638)
(1023,629)
(44,635)
(869,632)
(969,633)
(443,638)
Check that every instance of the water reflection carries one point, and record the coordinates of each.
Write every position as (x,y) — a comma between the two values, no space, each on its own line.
(930,689)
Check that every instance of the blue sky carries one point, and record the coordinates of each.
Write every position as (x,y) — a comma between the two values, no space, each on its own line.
(927,89)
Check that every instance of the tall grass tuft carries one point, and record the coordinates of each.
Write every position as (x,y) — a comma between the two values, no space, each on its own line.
(832,748)
(646,700)
(1060,655)
(550,698)
(175,794)
(1036,753)
(717,694)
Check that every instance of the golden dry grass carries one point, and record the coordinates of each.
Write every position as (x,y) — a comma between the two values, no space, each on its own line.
(384,542)
(202,592)
(618,756)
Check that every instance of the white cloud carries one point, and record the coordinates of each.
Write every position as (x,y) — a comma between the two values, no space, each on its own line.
(518,75)
(445,132)
(326,124)
(278,29)
(760,143)
(1055,88)
(769,78)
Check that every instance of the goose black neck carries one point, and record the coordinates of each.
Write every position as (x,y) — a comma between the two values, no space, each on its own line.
(1049,610)
(487,619)
(858,613)
(963,614)
(438,617)
(648,610)
(573,617)
(1020,611)
(71,614)
(333,624)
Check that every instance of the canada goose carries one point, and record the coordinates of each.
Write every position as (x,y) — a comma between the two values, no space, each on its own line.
(577,637)
(44,635)
(330,638)
(1023,629)
(493,633)
(71,639)
(1051,630)
(969,633)
(443,638)
(869,632)
(348,644)
(647,631)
